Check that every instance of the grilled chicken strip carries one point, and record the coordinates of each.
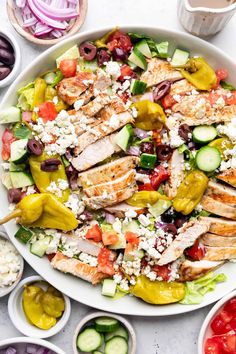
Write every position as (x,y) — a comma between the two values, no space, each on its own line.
(86,246)
(120,209)
(221,226)
(228,176)
(101,82)
(189,271)
(77,268)
(159,70)
(221,193)
(181,87)
(95,153)
(213,206)
(176,170)
(94,106)
(183,240)
(219,253)
(218,241)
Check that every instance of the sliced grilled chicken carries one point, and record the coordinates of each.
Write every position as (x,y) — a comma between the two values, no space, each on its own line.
(181,87)
(218,241)
(83,245)
(120,209)
(71,88)
(228,176)
(109,199)
(101,82)
(183,240)
(94,106)
(159,70)
(77,268)
(111,186)
(221,192)
(189,271)
(215,207)
(219,253)
(176,170)
(107,172)
(221,226)
(95,153)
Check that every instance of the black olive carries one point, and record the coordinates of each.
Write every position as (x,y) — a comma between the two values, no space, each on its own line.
(88,51)
(164,152)
(161,90)
(50,165)
(34,147)
(14,195)
(170,229)
(103,57)
(184,131)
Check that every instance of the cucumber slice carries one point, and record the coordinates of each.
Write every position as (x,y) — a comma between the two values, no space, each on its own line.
(132,226)
(143,47)
(179,58)
(203,134)
(50,77)
(21,179)
(138,59)
(19,153)
(208,159)
(124,136)
(116,345)
(71,53)
(88,65)
(159,207)
(97,352)
(106,324)
(109,287)
(148,161)
(137,87)
(89,340)
(6,180)
(24,235)
(121,332)
(39,247)
(162,49)
(120,244)
(10,115)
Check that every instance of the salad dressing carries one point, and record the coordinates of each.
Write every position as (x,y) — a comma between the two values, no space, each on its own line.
(214,4)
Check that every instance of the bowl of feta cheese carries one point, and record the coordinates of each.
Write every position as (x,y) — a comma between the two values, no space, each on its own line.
(11,265)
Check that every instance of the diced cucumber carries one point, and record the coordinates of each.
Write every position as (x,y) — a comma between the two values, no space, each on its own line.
(19,153)
(133,254)
(97,352)
(109,287)
(159,207)
(21,179)
(116,345)
(162,49)
(6,180)
(120,244)
(138,59)
(179,58)
(71,53)
(106,324)
(132,226)
(24,235)
(132,65)
(17,168)
(50,77)
(89,340)
(39,247)
(147,161)
(203,134)
(10,115)
(106,227)
(88,65)
(143,47)
(121,332)
(137,87)
(208,158)
(124,136)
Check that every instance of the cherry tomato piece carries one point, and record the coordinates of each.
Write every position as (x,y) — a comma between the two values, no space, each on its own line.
(159,175)
(7,139)
(121,40)
(68,67)
(231,306)
(145,187)
(196,252)
(94,233)
(212,346)
(221,74)
(231,99)
(168,101)
(162,271)
(109,238)
(47,111)
(105,264)
(132,238)
(125,71)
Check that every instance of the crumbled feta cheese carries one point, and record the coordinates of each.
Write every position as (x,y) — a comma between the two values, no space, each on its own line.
(88,259)
(54,243)
(30,190)
(117,226)
(228,129)
(144,220)
(78,104)
(220,102)
(9,263)
(141,177)
(55,100)
(131,213)
(75,204)
(113,69)
(57,187)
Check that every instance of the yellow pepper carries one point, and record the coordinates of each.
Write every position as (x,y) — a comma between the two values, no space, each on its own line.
(50,93)
(39,95)
(45,211)
(143,198)
(190,192)
(102,42)
(150,115)
(157,292)
(199,73)
(43,179)
(53,302)
(222,144)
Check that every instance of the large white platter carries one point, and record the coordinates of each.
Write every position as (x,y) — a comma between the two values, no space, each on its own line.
(74,287)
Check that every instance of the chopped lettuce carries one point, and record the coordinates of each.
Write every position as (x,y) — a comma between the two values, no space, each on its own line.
(25,100)
(119,293)
(226,85)
(195,290)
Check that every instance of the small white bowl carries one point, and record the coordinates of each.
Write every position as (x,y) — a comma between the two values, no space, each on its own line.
(20,342)
(89,319)
(17,65)
(17,315)
(205,331)
(7,289)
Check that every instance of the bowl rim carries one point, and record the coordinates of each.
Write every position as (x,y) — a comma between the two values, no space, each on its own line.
(92,315)
(209,317)
(12,310)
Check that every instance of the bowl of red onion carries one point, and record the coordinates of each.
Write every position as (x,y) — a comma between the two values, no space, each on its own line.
(23,345)
(46,22)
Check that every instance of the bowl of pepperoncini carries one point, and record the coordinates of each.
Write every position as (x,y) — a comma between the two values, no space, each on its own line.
(37,309)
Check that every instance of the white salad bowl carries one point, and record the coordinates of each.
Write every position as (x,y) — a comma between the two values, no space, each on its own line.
(76,288)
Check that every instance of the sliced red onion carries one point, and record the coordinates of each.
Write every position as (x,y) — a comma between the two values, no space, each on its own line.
(73,1)
(41,29)
(110,219)
(30,21)
(147,96)
(140,133)
(133,150)
(159,224)
(40,350)
(55,13)
(57,33)
(31,349)
(26,11)
(20,3)
(11,350)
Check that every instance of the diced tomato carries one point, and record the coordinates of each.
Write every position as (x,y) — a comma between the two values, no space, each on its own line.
(51,256)
(168,101)
(47,111)
(121,40)
(221,323)
(213,97)
(145,187)
(94,233)
(124,96)
(159,175)
(196,252)
(228,343)
(221,74)
(7,139)
(109,238)
(68,67)
(230,306)
(231,99)
(132,238)
(162,271)
(125,70)
(105,264)
(212,346)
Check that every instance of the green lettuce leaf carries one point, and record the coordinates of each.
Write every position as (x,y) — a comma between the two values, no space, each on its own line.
(25,100)
(226,85)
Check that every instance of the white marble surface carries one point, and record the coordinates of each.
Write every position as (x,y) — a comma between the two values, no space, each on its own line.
(170,335)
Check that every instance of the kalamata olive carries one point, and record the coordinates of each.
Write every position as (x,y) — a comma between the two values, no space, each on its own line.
(14,195)
(50,165)
(118,54)
(163,152)
(184,131)
(34,147)
(143,171)
(103,57)
(4,44)
(167,217)
(72,175)
(170,229)
(7,57)
(88,50)
(147,148)
(86,216)
(162,89)
(4,71)
(68,154)
(180,220)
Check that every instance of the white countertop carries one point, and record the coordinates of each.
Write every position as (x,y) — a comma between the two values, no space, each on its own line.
(169,335)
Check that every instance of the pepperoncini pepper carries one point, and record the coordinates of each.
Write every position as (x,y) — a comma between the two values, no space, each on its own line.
(157,292)
(53,302)
(102,42)
(45,211)
(43,179)
(39,95)
(50,93)
(143,198)
(199,73)
(150,115)
(222,144)
(190,192)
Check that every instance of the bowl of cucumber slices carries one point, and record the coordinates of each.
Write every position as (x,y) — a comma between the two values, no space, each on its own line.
(103,332)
